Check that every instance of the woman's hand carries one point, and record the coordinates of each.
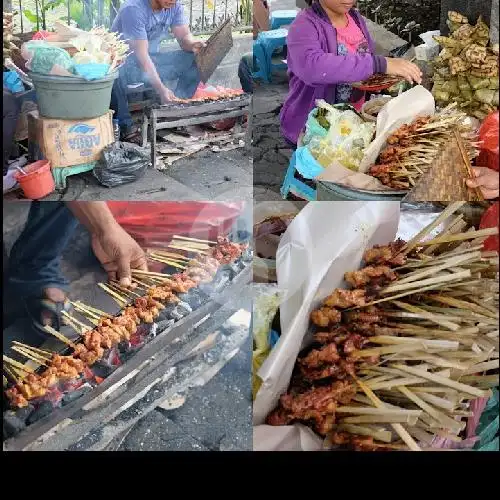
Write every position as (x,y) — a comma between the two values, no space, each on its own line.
(406,69)
(487,180)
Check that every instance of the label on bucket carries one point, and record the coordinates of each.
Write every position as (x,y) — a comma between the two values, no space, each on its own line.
(66,143)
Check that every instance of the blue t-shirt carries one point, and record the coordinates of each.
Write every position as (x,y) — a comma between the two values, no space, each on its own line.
(136,20)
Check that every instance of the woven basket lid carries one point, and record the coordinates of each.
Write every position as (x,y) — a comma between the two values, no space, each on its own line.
(445,178)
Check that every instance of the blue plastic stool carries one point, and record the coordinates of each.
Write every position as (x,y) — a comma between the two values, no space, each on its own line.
(263,49)
(296,186)
(281,18)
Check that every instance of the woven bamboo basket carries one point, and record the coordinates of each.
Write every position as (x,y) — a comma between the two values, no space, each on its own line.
(445,179)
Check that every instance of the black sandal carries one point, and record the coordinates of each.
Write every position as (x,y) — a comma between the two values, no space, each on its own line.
(36,305)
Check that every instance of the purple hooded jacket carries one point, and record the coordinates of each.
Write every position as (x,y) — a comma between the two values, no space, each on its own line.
(314,68)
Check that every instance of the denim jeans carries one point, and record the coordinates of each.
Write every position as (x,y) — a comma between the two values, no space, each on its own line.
(245,70)
(11,110)
(35,258)
(176,65)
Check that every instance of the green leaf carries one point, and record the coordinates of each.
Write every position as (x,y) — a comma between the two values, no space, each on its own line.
(30,16)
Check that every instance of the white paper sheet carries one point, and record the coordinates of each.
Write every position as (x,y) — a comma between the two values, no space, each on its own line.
(323,242)
(401,110)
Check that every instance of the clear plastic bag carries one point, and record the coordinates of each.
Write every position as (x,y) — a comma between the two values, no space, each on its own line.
(121,163)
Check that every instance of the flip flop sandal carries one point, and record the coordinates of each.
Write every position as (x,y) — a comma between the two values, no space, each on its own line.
(35,307)
(134,136)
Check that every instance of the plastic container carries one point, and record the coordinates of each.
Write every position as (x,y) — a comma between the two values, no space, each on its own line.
(38,181)
(329,191)
(72,98)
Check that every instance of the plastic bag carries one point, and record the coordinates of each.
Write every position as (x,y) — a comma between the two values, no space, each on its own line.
(46,59)
(266,303)
(313,128)
(488,136)
(121,163)
(12,82)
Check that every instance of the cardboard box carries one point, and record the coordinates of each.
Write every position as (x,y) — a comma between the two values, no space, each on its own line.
(66,143)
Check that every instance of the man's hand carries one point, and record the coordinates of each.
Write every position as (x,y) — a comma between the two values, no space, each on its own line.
(487,180)
(118,254)
(197,45)
(166,95)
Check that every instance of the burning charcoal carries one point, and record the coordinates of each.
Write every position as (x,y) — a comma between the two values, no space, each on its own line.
(73,396)
(183,306)
(12,425)
(193,298)
(165,313)
(24,413)
(176,315)
(162,326)
(102,369)
(42,411)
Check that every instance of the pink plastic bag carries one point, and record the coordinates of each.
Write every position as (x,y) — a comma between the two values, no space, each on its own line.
(488,136)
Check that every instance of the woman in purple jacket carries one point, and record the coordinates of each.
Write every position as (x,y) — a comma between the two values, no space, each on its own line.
(329,48)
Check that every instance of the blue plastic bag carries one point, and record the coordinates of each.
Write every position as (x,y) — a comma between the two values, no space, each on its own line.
(91,71)
(13,82)
(313,128)
(306,164)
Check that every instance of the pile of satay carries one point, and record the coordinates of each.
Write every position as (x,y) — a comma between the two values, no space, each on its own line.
(397,358)
(107,330)
(413,148)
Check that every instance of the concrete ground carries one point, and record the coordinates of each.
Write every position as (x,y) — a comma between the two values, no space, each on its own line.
(215,415)
(203,176)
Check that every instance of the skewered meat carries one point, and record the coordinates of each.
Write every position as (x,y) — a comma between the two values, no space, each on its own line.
(353,342)
(358,443)
(326,316)
(16,398)
(345,298)
(386,254)
(130,312)
(226,251)
(339,371)
(318,357)
(364,316)
(314,404)
(163,294)
(366,275)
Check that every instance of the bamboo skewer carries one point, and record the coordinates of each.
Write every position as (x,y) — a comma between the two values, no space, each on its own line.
(16,364)
(402,432)
(59,336)
(177,237)
(118,298)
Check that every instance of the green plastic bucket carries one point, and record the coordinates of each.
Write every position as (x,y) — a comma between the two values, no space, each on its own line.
(72,98)
(329,191)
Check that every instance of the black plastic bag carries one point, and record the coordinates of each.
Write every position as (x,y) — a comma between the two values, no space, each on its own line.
(121,163)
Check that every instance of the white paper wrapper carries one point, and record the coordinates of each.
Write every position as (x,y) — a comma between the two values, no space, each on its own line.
(401,110)
(323,242)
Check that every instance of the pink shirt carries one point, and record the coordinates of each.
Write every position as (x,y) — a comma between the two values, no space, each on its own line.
(350,40)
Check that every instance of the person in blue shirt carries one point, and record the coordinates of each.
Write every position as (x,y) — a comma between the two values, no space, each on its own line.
(144,24)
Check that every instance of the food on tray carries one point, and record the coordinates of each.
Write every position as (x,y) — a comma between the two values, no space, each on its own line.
(378,81)
(394,371)
(466,70)
(412,149)
(110,331)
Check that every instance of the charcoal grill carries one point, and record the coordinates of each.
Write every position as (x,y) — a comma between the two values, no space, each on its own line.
(80,424)
(174,115)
